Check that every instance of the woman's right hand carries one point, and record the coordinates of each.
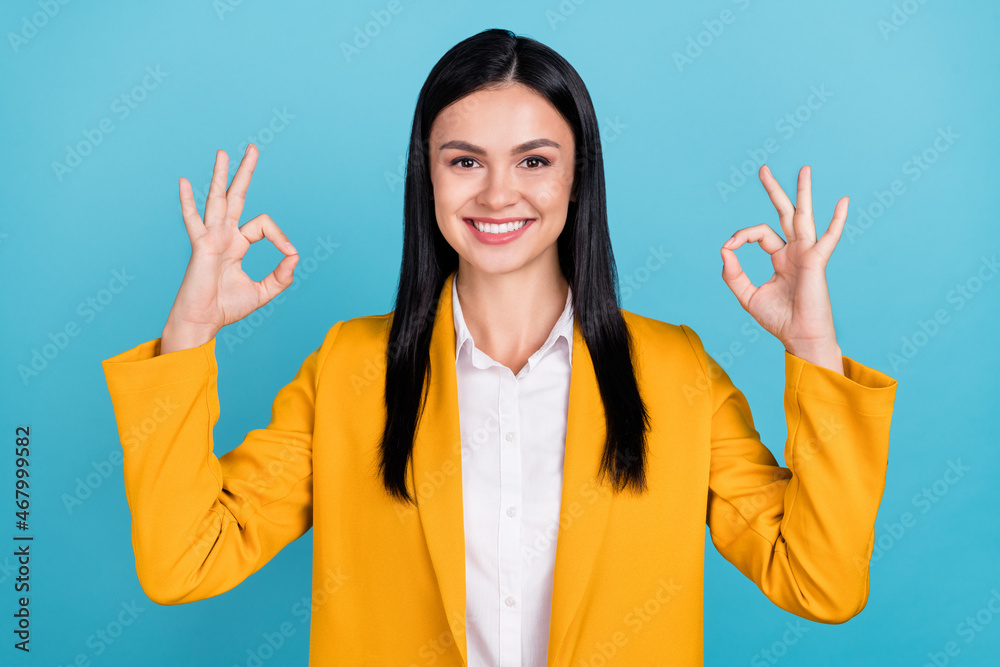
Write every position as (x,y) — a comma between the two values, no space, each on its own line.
(215,290)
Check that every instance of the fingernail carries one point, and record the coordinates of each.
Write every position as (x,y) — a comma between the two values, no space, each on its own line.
(729,242)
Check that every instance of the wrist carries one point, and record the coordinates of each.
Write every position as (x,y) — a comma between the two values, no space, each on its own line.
(828,355)
(181,336)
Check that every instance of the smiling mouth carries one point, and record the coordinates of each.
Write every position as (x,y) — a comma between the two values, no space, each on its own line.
(502,228)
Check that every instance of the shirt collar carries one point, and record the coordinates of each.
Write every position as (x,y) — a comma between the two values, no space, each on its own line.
(562,330)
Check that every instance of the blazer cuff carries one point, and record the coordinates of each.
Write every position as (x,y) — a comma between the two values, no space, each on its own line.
(863,388)
(143,367)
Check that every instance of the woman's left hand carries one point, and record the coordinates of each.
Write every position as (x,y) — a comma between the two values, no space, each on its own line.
(794,304)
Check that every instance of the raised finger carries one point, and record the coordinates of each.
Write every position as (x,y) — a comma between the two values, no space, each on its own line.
(263,226)
(192,221)
(802,222)
(215,204)
(762,234)
(831,236)
(236,195)
(780,200)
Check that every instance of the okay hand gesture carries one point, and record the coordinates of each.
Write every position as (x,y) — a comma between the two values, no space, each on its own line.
(215,290)
(794,304)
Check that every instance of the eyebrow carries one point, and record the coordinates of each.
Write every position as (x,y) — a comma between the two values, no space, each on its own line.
(522,148)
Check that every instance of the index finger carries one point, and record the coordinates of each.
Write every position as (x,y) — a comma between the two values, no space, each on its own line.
(236,194)
(780,200)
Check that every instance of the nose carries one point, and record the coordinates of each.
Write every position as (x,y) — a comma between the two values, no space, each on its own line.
(498,191)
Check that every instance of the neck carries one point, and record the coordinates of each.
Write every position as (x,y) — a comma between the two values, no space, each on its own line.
(511,314)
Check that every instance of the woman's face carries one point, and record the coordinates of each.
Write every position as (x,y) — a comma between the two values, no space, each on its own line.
(502,155)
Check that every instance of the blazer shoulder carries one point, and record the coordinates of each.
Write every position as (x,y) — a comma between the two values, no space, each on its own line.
(648,328)
(366,327)
(666,341)
(358,337)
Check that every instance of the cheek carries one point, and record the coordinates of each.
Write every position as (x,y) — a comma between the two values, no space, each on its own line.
(550,193)
(449,190)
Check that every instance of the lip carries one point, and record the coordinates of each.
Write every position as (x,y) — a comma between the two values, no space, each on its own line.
(498,239)
(498,221)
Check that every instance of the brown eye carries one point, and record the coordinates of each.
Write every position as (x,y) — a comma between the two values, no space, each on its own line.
(462,160)
(540,160)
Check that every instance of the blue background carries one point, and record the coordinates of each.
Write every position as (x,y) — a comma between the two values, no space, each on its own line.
(672,131)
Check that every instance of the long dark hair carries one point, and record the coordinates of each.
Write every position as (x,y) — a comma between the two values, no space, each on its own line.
(494,58)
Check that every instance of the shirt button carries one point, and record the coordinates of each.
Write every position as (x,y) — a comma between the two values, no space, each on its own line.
(510,436)
(511,511)
(510,601)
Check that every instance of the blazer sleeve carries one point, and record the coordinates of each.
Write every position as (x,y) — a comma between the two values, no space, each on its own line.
(803,533)
(202,524)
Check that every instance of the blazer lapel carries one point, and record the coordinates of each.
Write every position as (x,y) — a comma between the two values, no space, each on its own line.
(436,453)
(584,506)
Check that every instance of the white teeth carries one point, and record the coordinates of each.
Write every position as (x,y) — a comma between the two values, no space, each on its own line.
(490,228)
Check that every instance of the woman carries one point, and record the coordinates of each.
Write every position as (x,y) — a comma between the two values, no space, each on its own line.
(507,468)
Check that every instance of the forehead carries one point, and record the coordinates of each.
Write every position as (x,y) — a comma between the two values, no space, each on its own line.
(510,114)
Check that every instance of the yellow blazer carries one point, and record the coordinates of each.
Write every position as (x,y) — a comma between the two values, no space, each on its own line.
(389,581)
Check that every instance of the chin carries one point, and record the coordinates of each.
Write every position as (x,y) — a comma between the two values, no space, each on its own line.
(496,265)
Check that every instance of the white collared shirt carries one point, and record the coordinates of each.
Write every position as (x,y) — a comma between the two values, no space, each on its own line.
(513,431)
